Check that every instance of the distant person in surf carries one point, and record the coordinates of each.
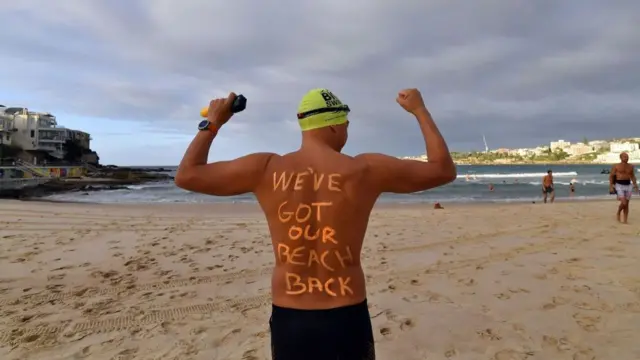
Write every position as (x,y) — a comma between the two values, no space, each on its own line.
(572,189)
(491,187)
(548,187)
(621,178)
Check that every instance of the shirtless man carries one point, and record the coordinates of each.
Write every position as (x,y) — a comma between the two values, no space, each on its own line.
(621,177)
(547,187)
(317,203)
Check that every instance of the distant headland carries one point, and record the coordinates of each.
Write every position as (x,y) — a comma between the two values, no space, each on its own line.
(559,151)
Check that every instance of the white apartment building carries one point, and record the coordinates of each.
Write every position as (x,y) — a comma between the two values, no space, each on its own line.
(598,144)
(560,144)
(618,147)
(520,152)
(37,131)
(614,157)
(579,149)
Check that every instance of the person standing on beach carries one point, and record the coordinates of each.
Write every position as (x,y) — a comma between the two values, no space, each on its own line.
(621,177)
(548,187)
(317,202)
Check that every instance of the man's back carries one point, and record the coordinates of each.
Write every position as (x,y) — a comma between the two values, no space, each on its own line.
(317,204)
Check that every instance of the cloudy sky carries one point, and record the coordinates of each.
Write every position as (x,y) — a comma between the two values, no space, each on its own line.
(134,73)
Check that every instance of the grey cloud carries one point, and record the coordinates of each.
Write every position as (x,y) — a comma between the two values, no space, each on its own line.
(522,72)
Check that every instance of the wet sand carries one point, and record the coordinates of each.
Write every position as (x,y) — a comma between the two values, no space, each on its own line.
(504,282)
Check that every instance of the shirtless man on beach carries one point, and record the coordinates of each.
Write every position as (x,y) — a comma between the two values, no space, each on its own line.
(621,176)
(317,203)
(547,187)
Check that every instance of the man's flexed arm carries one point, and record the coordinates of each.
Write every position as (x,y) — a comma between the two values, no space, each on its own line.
(223,178)
(390,174)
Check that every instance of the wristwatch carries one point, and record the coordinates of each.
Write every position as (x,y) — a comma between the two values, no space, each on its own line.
(205,125)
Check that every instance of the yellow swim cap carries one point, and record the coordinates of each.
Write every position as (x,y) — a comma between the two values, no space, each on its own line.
(319,108)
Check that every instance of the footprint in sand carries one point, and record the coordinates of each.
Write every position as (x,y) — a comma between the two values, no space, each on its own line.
(586,322)
(56,277)
(451,352)
(633,307)
(428,296)
(488,334)
(584,355)
(553,271)
(55,288)
(601,306)
(555,302)
(127,354)
(561,344)
(510,354)
(250,355)
(467,282)
(576,288)
(573,276)
(405,324)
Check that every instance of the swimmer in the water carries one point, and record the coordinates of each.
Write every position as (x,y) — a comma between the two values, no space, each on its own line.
(572,189)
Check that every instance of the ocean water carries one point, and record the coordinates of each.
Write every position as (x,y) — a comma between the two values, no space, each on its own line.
(512,183)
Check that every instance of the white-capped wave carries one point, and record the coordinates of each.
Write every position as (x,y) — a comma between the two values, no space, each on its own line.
(517,175)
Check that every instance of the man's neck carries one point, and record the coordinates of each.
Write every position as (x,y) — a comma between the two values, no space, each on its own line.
(313,144)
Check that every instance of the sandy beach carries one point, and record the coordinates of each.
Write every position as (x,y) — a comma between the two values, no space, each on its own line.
(504,282)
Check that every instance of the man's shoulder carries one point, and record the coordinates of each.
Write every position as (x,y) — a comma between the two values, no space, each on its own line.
(622,166)
(372,158)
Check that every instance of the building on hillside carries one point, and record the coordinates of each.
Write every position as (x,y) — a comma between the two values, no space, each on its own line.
(578,149)
(618,147)
(614,157)
(540,150)
(520,152)
(559,145)
(598,144)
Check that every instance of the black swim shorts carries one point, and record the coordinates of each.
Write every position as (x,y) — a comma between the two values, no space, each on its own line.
(343,333)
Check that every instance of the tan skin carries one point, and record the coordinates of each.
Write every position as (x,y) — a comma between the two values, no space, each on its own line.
(547,181)
(360,180)
(623,171)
